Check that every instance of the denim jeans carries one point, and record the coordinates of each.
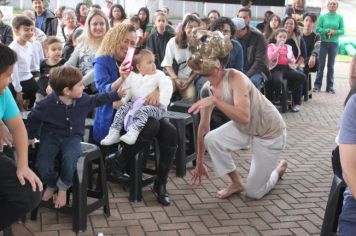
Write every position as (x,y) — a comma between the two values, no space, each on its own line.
(257,80)
(329,49)
(347,219)
(69,149)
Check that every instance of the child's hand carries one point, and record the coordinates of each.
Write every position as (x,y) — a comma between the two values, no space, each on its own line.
(32,143)
(49,90)
(116,105)
(122,91)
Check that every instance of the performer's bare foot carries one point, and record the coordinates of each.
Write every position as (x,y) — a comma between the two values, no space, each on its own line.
(61,199)
(281,168)
(47,194)
(231,189)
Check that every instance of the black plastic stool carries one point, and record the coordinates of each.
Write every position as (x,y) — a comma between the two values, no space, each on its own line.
(80,191)
(186,151)
(333,208)
(135,181)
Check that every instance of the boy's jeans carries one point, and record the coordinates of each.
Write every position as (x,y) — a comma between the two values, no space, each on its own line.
(69,149)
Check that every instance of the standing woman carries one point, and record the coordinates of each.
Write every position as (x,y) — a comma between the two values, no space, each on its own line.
(272,24)
(330,26)
(177,55)
(95,28)
(146,26)
(108,67)
(81,11)
(117,15)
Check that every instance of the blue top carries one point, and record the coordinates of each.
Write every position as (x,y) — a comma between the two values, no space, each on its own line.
(52,115)
(8,107)
(348,124)
(39,23)
(105,73)
(236,56)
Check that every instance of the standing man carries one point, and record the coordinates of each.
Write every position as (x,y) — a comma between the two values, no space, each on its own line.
(45,19)
(254,120)
(255,53)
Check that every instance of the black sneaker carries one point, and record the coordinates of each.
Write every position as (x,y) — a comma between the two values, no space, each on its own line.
(332,91)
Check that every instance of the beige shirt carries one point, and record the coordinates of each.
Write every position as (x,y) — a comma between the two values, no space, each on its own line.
(265,120)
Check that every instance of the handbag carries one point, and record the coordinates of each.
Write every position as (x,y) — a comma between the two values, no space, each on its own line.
(336,164)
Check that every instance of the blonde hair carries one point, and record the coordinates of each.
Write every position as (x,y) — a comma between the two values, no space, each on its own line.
(113,38)
(87,36)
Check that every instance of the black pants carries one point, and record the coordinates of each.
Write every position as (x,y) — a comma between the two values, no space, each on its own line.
(15,200)
(295,80)
(29,89)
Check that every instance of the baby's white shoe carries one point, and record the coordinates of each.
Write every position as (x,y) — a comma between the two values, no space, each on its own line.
(130,137)
(112,137)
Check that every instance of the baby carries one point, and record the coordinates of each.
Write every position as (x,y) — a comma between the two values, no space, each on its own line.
(133,113)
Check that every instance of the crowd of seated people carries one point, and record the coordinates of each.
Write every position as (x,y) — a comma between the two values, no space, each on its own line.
(96,43)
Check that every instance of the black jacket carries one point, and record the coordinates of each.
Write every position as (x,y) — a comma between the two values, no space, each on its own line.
(51,23)
(6,36)
(254,46)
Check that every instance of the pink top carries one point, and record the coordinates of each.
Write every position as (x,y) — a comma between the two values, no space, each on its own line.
(280,56)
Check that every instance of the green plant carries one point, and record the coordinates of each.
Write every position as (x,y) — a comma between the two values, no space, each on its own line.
(88,2)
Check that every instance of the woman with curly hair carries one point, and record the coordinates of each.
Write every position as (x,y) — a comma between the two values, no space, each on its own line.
(81,11)
(176,57)
(108,66)
(117,15)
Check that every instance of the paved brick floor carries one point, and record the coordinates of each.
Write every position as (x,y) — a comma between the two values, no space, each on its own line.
(295,207)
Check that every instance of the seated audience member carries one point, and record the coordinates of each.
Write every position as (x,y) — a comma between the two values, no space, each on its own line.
(312,43)
(272,24)
(246,3)
(81,12)
(45,19)
(135,21)
(82,57)
(296,11)
(73,41)
(158,39)
(169,27)
(246,14)
(254,48)
(61,118)
(133,113)
(20,188)
(261,26)
(213,15)
(145,25)
(117,15)
(295,39)
(254,120)
(6,36)
(282,66)
(53,48)
(26,55)
(165,10)
(107,7)
(39,35)
(176,57)
(205,23)
(69,25)
(59,15)
(108,67)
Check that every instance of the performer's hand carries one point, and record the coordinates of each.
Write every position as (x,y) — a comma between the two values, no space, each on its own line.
(205,102)
(199,171)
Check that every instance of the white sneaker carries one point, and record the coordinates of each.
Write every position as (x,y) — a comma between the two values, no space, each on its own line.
(130,137)
(112,137)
